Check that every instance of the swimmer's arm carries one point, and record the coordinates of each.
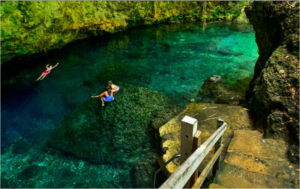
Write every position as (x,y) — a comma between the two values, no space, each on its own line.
(55,65)
(47,65)
(98,95)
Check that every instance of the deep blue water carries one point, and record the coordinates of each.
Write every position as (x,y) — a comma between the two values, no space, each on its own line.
(171,59)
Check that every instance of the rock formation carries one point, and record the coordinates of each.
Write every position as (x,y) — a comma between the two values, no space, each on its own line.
(31,27)
(119,134)
(214,90)
(274,90)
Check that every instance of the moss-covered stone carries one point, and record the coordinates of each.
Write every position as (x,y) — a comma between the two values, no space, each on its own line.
(274,90)
(29,172)
(214,90)
(119,133)
(122,134)
(30,27)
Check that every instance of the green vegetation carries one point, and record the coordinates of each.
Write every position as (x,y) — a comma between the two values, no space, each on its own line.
(123,125)
(119,134)
(68,21)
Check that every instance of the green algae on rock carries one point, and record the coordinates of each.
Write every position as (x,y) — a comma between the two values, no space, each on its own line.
(214,90)
(122,125)
(31,27)
(274,90)
(118,134)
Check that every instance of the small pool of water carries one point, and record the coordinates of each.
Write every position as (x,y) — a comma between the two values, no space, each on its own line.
(171,59)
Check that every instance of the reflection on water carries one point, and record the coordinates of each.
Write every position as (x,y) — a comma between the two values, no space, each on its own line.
(171,59)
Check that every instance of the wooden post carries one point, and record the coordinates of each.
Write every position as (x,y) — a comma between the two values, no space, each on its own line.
(220,122)
(196,144)
(188,130)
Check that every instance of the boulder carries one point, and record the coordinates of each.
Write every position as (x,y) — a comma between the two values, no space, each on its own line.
(229,98)
(212,88)
(118,133)
(215,78)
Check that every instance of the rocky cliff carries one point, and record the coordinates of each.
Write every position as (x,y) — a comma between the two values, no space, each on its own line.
(274,90)
(30,27)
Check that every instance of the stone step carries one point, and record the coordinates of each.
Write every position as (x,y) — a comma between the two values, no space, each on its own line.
(250,151)
(252,143)
(214,185)
(207,114)
(231,176)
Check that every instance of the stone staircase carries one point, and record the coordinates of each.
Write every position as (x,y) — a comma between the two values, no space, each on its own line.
(254,162)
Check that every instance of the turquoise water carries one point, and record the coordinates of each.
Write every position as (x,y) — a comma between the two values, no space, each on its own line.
(171,59)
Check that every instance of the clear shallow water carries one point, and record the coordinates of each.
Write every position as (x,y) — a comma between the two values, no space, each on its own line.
(171,59)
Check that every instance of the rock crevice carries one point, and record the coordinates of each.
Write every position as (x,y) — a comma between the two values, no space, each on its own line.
(274,90)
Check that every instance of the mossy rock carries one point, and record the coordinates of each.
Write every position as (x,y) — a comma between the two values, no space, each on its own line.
(274,91)
(29,172)
(29,27)
(117,133)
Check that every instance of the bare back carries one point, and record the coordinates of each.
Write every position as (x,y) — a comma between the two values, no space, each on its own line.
(114,87)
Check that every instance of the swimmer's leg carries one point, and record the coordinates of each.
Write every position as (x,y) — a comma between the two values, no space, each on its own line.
(40,76)
(44,76)
(102,99)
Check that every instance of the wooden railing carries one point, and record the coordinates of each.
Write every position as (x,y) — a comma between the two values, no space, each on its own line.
(192,155)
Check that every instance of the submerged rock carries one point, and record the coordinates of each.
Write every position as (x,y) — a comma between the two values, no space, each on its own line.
(118,133)
(226,51)
(144,175)
(121,134)
(29,172)
(208,47)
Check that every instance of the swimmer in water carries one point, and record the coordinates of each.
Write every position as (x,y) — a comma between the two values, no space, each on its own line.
(45,73)
(114,88)
(106,96)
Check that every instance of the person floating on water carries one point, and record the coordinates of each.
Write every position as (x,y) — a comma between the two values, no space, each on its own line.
(45,73)
(106,96)
(114,87)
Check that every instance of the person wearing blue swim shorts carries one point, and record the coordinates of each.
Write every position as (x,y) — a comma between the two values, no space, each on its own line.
(106,96)
(114,87)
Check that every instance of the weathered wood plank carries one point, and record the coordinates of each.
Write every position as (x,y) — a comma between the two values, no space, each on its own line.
(180,177)
(207,169)
(188,130)
(196,145)
(220,122)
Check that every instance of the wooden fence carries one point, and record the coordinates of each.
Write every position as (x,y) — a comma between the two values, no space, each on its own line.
(192,154)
